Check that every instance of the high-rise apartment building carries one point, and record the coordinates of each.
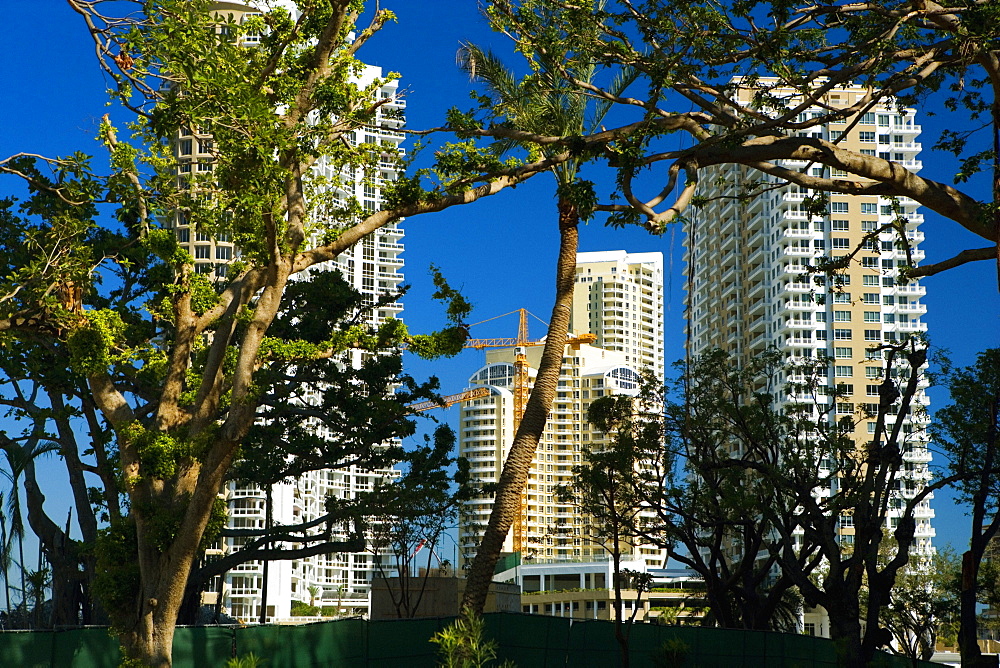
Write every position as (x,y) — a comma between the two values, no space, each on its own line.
(619,298)
(750,288)
(553,530)
(371,267)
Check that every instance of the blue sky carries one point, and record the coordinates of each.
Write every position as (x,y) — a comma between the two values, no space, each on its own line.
(499,252)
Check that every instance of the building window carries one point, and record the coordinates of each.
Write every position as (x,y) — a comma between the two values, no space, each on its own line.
(839,207)
(869,225)
(185,147)
(871,390)
(870,208)
(845,408)
(869,262)
(840,225)
(843,353)
(869,280)
(870,298)
(843,371)
(873,316)
(866,136)
(842,298)
(873,372)
(842,334)
(202,252)
(838,242)
(868,118)
(184,236)
(841,316)
(223,253)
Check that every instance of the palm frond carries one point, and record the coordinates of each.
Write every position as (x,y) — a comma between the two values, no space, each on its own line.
(487,68)
(623,79)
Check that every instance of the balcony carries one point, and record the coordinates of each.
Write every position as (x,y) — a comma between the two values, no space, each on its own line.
(798,233)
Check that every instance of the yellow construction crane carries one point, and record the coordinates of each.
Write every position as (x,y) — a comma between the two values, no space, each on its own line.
(474,393)
(520,392)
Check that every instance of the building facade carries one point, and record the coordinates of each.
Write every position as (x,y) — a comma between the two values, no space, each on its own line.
(750,288)
(554,530)
(339,582)
(619,298)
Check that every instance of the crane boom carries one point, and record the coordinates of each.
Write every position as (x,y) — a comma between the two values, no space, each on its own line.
(474,393)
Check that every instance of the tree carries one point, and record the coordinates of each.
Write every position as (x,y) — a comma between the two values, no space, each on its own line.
(603,492)
(687,475)
(170,362)
(750,472)
(543,103)
(968,429)
(923,599)
(416,521)
(756,79)
(20,459)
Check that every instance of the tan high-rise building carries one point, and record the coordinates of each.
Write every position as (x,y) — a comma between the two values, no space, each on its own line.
(749,287)
(553,530)
(619,298)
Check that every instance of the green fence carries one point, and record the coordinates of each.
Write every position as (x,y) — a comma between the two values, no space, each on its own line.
(530,641)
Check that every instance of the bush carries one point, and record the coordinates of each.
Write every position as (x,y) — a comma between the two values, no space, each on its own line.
(300,609)
(671,654)
(462,645)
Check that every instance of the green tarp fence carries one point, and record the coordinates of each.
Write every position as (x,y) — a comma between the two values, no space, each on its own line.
(530,641)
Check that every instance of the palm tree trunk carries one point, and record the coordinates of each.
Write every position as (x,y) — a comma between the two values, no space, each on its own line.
(5,546)
(514,477)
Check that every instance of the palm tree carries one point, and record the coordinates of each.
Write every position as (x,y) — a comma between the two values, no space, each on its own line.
(18,457)
(542,103)
(313,593)
(5,546)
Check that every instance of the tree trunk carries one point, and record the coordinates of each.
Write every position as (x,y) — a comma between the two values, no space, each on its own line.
(514,476)
(616,558)
(845,631)
(69,573)
(152,643)
(968,630)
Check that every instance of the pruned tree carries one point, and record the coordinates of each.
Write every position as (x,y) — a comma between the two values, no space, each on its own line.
(752,479)
(686,447)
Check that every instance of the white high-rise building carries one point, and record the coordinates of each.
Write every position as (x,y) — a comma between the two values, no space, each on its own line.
(551,530)
(749,288)
(340,580)
(619,298)
(372,267)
